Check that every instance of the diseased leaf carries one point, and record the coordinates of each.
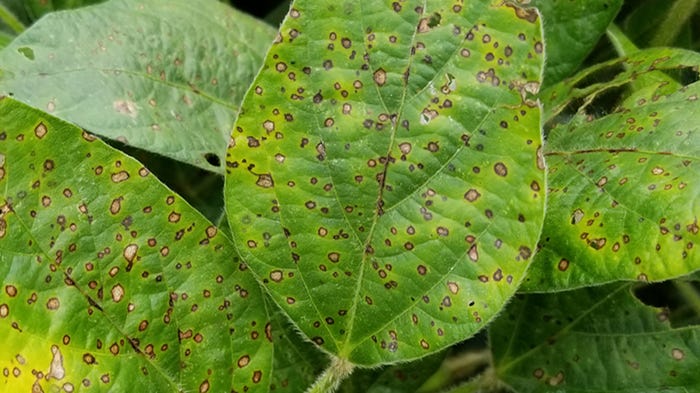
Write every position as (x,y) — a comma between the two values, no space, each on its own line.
(598,339)
(399,378)
(623,186)
(109,280)
(164,76)
(572,29)
(297,362)
(383,176)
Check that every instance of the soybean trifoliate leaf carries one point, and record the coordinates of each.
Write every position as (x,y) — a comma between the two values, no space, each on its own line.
(599,339)
(383,179)
(623,187)
(109,280)
(165,76)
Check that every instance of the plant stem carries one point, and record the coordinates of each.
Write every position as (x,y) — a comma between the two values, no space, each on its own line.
(623,45)
(676,18)
(10,20)
(330,379)
(690,294)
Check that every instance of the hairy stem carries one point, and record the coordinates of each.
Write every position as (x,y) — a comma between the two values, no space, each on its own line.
(330,379)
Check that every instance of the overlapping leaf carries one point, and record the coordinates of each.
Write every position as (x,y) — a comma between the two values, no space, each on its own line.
(399,378)
(383,176)
(110,281)
(572,29)
(164,76)
(623,191)
(598,339)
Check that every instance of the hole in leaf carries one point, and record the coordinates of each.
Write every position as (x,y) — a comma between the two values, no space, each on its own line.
(676,297)
(213,159)
(434,20)
(26,52)
(602,75)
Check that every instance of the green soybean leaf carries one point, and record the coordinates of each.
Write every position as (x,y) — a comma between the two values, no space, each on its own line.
(571,30)
(623,190)
(297,362)
(165,76)
(399,378)
(383,179)
(109,280)
(598,339)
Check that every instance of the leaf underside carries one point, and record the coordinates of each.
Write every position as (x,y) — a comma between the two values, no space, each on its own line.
(383,180)
(163,76)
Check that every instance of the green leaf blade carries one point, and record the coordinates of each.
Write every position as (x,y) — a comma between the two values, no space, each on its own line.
(623,196)
(366,172)
(112,278)
(556,342)
(147,74)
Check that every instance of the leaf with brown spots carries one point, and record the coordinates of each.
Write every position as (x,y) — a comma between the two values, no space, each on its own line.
(398,378)
(623,190)
(110,280)
(164,76)
(386,202)
(597,339)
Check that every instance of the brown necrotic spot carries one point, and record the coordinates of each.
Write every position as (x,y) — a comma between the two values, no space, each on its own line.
(525,252)
(498,275)
(265,181)
(89,359)
(49,165)
(276,275)
(4,310)
(116,205)
(500,169)
(53,304)
(473,253)
(243,361)
(422,270)
(453,287)
(563,264)
(40,130)
(11,290)
(117,293)
(380,77)
(334,257)
(130,252)
(120,176)
(472,195)
(677,354)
